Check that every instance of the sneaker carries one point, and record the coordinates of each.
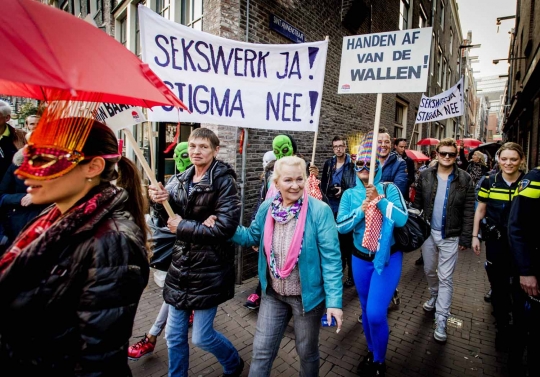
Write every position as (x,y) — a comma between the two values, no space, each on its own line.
(253,301)
(142,348)
(429,305)
(349,283)
(419,261)
(440,330)
(360,318)
(190,321)
(366,365)
(237,372)
(487,296)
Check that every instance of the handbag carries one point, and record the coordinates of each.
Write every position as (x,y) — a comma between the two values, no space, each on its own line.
(382,256)
(162,245)
(414,233)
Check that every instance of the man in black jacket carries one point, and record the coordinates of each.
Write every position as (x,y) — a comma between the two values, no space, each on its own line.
(446,195)
(336,169)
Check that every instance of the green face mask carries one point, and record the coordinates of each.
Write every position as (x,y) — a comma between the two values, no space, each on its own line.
(282,146)
(181,157)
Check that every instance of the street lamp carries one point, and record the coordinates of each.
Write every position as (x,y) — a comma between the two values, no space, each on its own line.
(496,61)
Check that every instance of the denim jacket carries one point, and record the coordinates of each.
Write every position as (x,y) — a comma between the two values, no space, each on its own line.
(319,262)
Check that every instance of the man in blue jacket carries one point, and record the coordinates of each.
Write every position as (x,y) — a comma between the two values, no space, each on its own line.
(394,168)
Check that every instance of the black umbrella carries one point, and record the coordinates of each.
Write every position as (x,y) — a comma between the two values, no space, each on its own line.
(489,148)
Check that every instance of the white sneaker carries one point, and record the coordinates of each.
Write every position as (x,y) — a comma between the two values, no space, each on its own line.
(440,329)
(429,305)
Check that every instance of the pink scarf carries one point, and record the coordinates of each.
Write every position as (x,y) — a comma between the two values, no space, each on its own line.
(296,243)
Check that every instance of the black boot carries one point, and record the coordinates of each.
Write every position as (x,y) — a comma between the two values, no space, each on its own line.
(502,338)
(366,365)
(419,261)
(379,369)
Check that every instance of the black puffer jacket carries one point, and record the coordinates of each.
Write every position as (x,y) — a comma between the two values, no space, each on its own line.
(460,203)
(68,301)
(201,275)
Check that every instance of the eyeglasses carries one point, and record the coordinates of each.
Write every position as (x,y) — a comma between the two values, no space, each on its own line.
(338,147)
(448,154)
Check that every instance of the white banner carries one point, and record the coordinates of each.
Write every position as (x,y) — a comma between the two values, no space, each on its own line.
(448,104)
(234,83)
(119,116)
(390,62)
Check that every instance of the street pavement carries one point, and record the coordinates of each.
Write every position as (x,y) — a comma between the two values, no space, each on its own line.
(412,351)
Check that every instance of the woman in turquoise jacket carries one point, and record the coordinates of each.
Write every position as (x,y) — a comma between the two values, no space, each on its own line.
(299,268)
(374,290)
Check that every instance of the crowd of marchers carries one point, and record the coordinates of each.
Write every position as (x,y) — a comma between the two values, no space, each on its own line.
(76,245)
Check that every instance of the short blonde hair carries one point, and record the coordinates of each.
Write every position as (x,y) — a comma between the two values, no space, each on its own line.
(288,161)
(447,142)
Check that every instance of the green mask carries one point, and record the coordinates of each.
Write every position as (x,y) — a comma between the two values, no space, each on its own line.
(282,146)
(181,157)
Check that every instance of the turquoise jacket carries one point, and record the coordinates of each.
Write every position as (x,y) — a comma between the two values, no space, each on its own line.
(351,218)
(319,262)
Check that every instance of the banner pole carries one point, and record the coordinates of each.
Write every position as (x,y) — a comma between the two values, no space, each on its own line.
(314,147)
(149,173)
(375,143)
(412,135)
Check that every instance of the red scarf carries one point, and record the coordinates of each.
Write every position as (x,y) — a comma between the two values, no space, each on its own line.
(33,232)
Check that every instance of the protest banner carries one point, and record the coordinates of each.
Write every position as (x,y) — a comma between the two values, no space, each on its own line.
(117,116)
(234,83)
(448,104)
(390,62)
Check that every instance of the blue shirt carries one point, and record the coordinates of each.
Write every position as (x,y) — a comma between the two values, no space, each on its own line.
(439,205)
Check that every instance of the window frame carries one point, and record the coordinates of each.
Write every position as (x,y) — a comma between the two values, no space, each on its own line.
(403,23)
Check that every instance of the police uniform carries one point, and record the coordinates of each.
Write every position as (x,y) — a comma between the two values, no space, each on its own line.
(498,196)
(524,235)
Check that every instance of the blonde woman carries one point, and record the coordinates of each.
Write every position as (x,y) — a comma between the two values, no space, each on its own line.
(298,250)
(477,167)
(490,223)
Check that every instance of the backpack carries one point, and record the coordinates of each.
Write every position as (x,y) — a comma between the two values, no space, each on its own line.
(414,233)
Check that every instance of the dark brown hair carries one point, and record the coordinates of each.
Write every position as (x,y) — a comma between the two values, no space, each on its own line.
(102,141)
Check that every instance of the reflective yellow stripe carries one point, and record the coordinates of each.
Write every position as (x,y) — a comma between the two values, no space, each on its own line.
(497,196)
(530,192)
(501,190)
(482,194)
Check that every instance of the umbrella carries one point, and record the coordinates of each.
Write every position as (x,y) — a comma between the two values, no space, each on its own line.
(467,142)
(49,54)
(428,141)
(416,155)
(489,148)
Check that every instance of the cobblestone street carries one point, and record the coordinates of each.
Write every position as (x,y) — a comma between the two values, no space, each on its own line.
(412,351)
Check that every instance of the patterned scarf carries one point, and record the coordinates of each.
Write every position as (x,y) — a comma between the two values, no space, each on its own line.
(276,212)
(374,220)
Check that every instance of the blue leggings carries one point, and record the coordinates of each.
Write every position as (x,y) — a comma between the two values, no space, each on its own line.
(375,292)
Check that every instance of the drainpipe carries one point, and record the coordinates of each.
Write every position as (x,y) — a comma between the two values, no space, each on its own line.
(239,253)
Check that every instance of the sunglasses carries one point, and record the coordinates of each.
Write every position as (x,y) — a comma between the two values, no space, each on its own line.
(448,154)
(360,165)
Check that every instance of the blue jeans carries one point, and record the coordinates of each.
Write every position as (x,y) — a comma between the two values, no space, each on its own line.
(375,292)
(203,336)
(274,315)
(161,320)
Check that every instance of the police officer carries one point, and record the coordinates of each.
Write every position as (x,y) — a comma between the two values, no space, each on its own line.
(491,218)
(524,246)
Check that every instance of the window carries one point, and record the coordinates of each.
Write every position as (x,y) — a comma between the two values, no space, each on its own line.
(443,84)
(138,29)
(449,78)
(400,118)
(193,14)
(442,14)
(422,18)
(122,31)
(439,65)
(403,14)
(163,8)
(451,41)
